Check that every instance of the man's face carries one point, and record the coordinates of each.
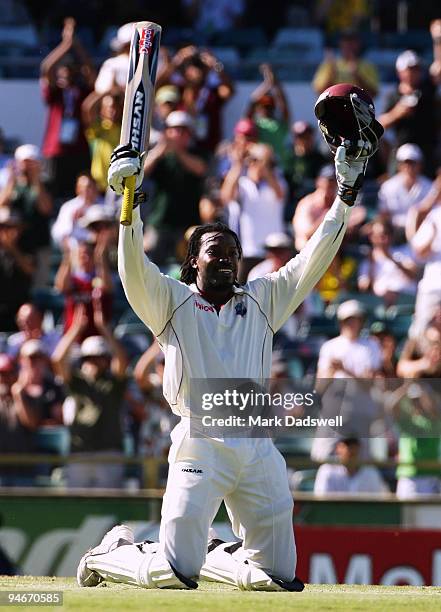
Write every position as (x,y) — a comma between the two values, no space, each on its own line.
(347,452)
(353,324)
(86,188)
(29,318)
(217,261)
(380,237)
(179,135)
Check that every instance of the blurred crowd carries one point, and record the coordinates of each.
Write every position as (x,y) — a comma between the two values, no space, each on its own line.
(78,371)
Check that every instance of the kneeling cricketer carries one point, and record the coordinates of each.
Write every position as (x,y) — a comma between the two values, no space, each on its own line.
(224,340)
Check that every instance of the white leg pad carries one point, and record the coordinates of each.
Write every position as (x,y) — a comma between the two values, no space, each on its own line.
(127,564)
(221,566)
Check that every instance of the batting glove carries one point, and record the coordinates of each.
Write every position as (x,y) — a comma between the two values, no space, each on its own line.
(350,175)
(125,162)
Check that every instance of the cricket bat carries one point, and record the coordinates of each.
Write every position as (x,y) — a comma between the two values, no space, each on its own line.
(138,100)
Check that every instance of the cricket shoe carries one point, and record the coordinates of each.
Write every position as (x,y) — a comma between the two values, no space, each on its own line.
(118,536)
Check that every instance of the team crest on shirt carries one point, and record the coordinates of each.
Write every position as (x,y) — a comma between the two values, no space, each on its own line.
(241,309)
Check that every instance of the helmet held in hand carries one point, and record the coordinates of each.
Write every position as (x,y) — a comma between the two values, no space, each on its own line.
(346,116)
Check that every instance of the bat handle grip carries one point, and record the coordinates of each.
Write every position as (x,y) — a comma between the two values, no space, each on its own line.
(128,199)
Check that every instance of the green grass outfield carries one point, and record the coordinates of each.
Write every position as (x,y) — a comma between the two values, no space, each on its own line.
(218,598)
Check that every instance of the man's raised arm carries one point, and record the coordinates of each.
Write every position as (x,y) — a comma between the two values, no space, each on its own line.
(292,283)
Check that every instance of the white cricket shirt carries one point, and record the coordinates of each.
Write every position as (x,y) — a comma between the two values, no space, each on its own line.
(237,343)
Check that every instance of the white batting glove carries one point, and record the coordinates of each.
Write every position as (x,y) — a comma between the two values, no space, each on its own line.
(125,162)
(350,175)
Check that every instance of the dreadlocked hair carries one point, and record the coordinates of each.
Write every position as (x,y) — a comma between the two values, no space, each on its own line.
(188,273)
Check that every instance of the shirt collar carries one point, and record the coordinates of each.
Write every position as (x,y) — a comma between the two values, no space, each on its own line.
(236,290)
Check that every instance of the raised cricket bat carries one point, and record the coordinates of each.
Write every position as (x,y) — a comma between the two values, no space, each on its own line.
(138,100)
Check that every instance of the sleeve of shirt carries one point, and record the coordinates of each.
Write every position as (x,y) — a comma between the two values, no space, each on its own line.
(322,483)
(291,284)
(372,481)
(324,359)
(152,295)
(425,234)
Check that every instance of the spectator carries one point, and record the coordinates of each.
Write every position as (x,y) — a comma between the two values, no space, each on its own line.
(435,68)
(388,344)
(348,476)
(177,169)
(30,324)
(279,250)
(113,72)
(270,110)
(426,243)
(159,420)
(102,132)
(415,407)
(407,188)
(411,109)
(305,161)
(26,194)
(311,209)
(348,356)
(245,134)
(16,269)
(98,388)
(420,357)
(83,276)
(260,194)
(348,68)
(166,101)
(205,87)
(66,224)
(387,271)
(36,391)
(64,87)
(17,424)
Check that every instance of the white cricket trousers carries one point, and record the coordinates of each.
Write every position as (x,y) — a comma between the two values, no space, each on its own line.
(250,475)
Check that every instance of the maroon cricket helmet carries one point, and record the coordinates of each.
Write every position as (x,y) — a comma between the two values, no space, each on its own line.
(346,116)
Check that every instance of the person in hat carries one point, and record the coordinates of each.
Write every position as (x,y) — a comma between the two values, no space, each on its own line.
(97,387)
(348,476)
(349,355)
(27,194)
(66,224)
(349,67)
(304,164)
(64,86)
(167,99)
(269,108)
(358,360)
(177,169)
(204,87)
(406,189)
(16,269)
(411,109)
(113,72)
(279,248)
(245,134)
